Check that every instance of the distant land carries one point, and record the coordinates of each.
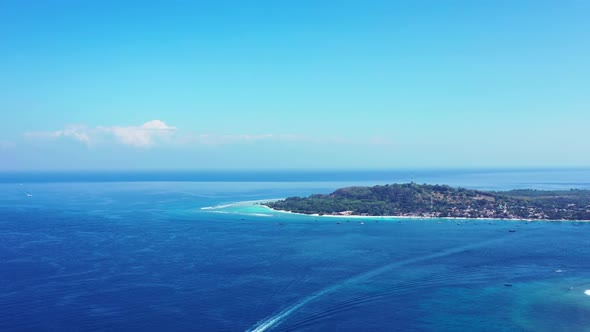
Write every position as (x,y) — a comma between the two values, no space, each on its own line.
(442,201)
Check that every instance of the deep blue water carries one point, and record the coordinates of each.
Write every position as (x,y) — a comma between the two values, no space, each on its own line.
(102,253)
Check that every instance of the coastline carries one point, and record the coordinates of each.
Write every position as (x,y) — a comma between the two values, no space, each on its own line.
(260,202)
(413,217)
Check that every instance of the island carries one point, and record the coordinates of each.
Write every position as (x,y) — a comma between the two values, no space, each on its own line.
(442,201)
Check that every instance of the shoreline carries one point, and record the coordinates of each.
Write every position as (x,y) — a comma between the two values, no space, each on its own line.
(414,217)
(250,203)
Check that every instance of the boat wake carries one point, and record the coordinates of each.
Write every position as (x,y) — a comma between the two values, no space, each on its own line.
(279,317)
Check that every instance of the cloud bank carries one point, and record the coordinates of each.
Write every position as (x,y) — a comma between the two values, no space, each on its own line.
(157,132)
(146,135)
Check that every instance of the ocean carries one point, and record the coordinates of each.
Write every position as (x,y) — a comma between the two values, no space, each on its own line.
(172,251)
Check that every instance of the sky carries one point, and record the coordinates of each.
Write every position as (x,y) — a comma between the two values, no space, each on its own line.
(146,85)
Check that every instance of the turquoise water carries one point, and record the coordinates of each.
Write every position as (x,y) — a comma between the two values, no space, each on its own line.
(120,256)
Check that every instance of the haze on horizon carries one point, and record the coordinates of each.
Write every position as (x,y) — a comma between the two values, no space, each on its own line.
(299,84)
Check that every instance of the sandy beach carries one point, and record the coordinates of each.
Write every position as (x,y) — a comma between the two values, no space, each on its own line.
(409,217)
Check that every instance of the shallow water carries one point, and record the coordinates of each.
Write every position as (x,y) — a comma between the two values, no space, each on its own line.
(146,256)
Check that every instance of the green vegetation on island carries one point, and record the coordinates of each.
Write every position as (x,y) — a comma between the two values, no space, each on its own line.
(415,200)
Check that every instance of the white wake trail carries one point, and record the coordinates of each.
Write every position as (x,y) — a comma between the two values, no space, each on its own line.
(279,317)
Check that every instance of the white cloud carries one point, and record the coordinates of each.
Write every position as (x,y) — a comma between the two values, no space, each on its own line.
(77,132)
(146,135)
(141,136)
(157,132)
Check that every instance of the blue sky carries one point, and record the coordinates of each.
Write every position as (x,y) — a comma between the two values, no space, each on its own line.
(294,84)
